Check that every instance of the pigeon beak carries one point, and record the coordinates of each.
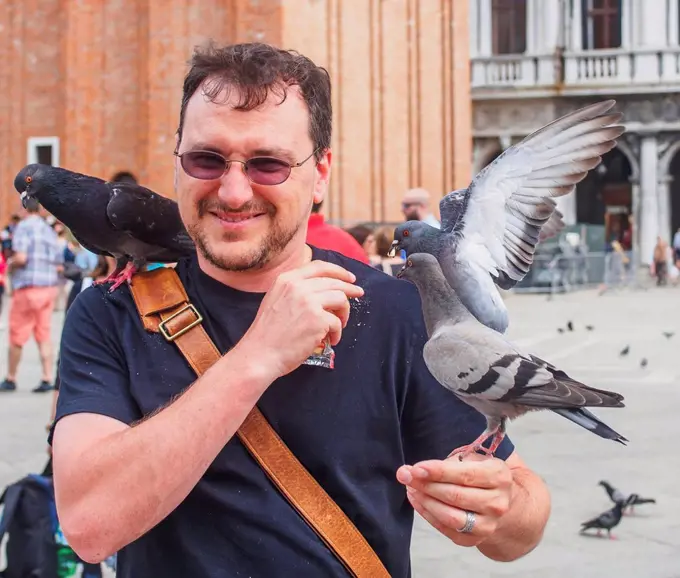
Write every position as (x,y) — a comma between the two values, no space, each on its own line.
(400,274)
(24,198)
(393,249)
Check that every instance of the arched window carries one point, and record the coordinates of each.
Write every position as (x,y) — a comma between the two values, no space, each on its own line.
(509,26)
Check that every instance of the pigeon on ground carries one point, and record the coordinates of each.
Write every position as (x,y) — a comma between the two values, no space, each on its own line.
(668,334)
(630,500)
(490,230)
(570,326)
(589,327)
(625,351)
(643,363)
(560,330)
(606,521)
(486,371)
(122,220)
(615,495)
(637,500)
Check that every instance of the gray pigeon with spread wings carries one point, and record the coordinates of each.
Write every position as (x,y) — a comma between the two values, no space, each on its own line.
(490,230)
(486,371)
(121,220)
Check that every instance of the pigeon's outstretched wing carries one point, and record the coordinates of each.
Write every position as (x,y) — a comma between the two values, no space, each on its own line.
(148,217)
(552,226)
(511,199)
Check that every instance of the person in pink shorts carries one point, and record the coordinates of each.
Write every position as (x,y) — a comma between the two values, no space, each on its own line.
(34,272)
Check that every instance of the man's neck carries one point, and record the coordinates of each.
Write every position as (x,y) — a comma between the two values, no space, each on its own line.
(259,280)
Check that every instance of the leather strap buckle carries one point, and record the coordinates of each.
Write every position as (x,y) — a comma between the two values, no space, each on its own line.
(167,333)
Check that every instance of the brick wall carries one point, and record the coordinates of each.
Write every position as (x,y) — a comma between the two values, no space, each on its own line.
(105,77)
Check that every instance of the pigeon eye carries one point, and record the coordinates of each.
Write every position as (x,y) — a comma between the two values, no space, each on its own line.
(409,263)
(29,179)
(406,233)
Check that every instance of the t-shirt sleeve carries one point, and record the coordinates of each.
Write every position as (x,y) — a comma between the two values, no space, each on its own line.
(92,370)
(434,420)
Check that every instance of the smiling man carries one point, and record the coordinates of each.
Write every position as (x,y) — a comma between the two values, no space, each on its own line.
(146,461)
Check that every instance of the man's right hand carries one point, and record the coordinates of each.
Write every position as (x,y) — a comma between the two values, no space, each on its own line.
(298,312)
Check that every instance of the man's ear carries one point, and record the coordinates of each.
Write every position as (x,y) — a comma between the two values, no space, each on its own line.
(323,174)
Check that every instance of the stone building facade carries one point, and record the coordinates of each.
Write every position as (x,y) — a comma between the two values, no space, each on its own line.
(95,87)
(534,60)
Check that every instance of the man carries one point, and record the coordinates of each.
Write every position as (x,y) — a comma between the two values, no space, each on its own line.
(325,236)
(145,458)
(415,205)
(34,265)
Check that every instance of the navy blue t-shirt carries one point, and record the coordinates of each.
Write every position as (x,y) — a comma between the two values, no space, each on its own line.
(352,427)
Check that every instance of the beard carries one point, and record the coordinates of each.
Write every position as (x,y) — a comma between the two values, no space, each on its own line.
(274,242)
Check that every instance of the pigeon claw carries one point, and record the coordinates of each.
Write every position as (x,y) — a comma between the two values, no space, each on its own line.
(124,276)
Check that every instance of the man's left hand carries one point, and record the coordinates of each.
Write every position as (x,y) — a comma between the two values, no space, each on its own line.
(443,491)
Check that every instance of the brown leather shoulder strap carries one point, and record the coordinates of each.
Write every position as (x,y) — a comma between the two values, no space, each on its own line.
(164,307)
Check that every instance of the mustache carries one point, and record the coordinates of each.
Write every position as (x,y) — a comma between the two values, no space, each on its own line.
(206,206)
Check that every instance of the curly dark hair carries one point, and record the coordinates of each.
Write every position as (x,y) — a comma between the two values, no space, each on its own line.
(255,70)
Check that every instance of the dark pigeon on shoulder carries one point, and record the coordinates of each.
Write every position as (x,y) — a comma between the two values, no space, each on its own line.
(123,220)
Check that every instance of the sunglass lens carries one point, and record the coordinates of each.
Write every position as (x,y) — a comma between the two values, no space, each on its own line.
(203,165)
(267,171)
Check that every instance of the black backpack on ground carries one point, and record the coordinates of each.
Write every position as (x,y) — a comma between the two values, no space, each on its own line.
(35,547)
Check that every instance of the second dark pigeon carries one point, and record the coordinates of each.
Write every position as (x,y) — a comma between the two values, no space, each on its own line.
(483,369)
(606,521)
(121,220)
(630,500)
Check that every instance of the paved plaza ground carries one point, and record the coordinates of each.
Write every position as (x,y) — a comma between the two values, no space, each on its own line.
(570,459)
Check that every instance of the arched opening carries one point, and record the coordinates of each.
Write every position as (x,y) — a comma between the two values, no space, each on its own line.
(674,173)
(605,198)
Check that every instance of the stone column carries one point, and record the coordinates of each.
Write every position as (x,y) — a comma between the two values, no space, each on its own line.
(627,37)
(664,200)
(635,194)
(567,205)
(649,206)
(574,18)
(673,32)
(651,23)
(484,15)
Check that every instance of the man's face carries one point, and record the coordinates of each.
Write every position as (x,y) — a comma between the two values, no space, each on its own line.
(236,224)
(412,210)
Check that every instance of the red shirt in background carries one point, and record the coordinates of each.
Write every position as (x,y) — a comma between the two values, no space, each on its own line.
(325,236)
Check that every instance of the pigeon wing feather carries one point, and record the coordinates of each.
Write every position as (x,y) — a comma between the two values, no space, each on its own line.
(510,200)
(148,217)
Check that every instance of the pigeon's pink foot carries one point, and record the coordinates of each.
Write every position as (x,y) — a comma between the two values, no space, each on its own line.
(498,434)
(124,276)
(112,276)
(612,537)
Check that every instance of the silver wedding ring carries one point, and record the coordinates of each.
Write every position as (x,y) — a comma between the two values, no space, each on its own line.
(469,523)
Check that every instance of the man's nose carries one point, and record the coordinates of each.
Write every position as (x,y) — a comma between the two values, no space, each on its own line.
(235,187)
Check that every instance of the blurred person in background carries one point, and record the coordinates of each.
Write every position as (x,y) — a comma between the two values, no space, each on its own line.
(326,236)
(365,237)
(34,268)
(415,205)
(660,261)
(384,236)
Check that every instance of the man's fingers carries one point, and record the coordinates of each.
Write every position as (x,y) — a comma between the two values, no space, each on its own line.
(471,473)
(321,284)
(320,269)
(448,519)
(490,502)
(335,328)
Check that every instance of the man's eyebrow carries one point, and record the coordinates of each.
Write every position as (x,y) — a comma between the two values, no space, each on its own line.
(278,152)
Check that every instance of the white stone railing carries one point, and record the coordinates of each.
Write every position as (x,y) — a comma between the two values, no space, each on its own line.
(591,68)
(512,70)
